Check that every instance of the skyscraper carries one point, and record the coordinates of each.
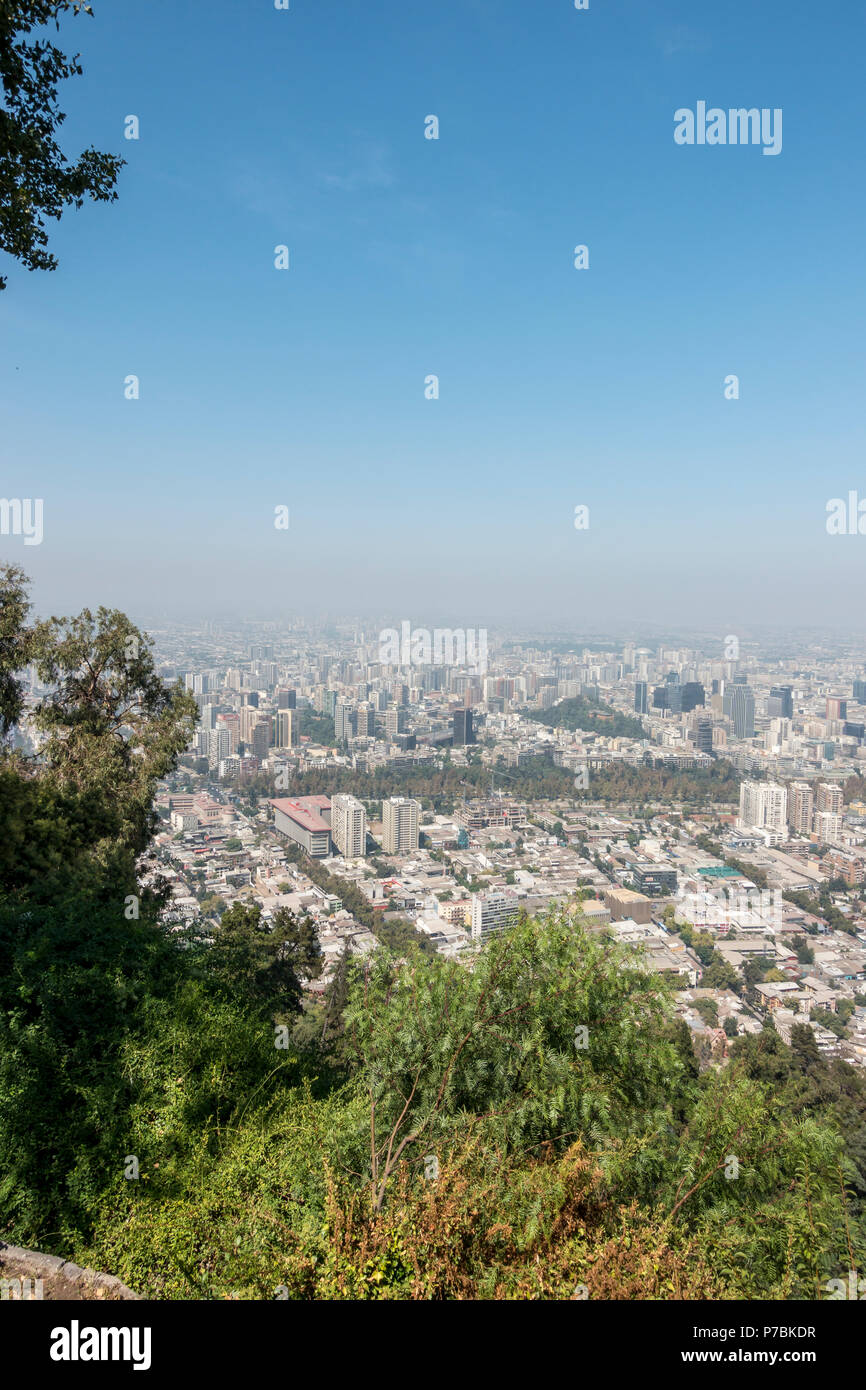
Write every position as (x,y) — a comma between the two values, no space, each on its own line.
(462,726)
(739,707)
(285,729)
(693,695)
(785,695)
(704,739)
(641,696)
(261,738)
(859,692)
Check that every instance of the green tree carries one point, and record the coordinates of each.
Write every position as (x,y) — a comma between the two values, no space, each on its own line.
(336,998)
(37,181)
(546,1012)
(110,729)
(248,957)
(15,643)
(300,942)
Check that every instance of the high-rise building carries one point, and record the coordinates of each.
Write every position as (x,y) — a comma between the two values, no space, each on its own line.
(219,745)
(395,722)
(859,692)
(704,736)
(785,695)
(764,806)
(829,798)
(828,827)
(641,696)
(285,729)
(345,722)
(349,826)
(801,807)
(232,722)
(836,708)
(287,699)
(400,819)
(260,740)
(461,723)
(365,724)
(693,695)
(492,912)
(739,706)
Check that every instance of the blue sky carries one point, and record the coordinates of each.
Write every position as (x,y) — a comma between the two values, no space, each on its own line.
(455,257)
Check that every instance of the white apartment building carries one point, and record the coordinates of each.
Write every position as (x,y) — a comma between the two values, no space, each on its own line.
(764,806)
(219,745)
(400,819)
(492,912)
(828,827)
(349,826)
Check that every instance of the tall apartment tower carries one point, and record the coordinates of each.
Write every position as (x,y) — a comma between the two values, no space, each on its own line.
(764,806)
(829,798)
(349,826)
(219,745)
(366,720)
(836,708)
(261,738)
(801,807)
(400,819)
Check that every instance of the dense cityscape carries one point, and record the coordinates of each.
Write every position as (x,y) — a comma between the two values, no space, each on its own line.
(706,808)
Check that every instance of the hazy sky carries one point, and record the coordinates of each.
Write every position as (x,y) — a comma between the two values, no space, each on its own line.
(411,257)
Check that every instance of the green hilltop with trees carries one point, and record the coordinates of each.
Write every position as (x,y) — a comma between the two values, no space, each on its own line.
(590,716)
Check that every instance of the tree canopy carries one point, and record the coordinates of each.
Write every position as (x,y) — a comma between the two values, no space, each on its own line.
(37,181)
